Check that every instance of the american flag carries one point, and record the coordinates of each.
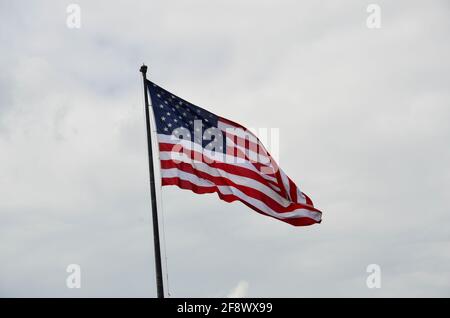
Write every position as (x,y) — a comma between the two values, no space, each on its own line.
(206,153)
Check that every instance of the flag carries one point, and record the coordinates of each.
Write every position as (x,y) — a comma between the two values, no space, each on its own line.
(206,153)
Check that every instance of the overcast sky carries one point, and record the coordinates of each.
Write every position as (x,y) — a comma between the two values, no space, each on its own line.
(364,130)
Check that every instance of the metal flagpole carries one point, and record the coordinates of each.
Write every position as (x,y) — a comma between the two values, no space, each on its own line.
(158,267)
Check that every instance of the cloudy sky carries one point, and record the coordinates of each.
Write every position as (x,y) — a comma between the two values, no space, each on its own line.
(364,130)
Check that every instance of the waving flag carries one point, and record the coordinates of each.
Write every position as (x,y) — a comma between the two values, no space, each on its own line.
(206,153)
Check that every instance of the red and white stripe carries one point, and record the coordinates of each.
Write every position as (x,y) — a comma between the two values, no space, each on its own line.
(271,192)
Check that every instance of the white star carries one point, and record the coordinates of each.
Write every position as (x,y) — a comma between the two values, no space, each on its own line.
(159,95)
(161,106)
(168,114)
(163,118)
(170,125)
(165,129)
(175,120)
(165,102)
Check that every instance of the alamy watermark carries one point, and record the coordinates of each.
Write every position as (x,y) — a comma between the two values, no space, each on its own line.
(73,20)
(373,21)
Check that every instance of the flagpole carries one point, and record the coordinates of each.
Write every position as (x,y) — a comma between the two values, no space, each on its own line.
(158,267)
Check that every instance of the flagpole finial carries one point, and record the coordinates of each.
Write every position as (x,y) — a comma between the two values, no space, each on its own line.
(143,69)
